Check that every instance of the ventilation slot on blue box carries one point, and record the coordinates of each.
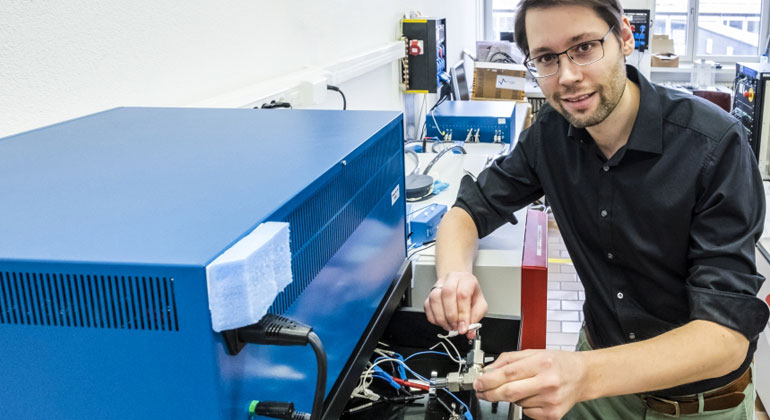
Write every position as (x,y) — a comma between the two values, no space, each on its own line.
(321,224)
(88,300)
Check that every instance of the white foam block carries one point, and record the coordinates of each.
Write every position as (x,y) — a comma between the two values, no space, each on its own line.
(246,278)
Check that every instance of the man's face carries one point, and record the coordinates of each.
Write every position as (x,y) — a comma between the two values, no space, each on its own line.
(584,95)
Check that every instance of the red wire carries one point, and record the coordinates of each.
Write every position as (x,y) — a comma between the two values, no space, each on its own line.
(411,384)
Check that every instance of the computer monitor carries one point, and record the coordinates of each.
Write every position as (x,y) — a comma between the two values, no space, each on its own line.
(506,36)
(460,90)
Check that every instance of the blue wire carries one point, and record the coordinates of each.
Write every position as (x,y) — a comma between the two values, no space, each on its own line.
(427,352)
(401,372)
(390,381)
(417,375)
(468,414)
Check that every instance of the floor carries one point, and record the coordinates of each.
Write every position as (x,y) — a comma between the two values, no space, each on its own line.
(566,297)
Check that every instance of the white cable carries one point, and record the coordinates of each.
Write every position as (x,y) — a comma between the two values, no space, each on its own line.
(455,333)
(384,353)
(446,349)
(460,362)
(433,114)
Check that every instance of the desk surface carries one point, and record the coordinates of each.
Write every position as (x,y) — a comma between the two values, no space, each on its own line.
(505,242)
(498,261)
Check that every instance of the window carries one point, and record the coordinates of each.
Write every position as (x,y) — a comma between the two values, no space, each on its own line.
(503,14)
(721,30)
(726,30)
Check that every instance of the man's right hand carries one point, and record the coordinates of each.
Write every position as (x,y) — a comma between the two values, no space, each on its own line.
(455,302)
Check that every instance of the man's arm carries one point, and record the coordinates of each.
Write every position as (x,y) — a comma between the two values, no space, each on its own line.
(456,300)
(548,383)
(482,206)
(695,351)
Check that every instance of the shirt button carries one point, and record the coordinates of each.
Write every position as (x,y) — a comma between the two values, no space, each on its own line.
(610,256)
(605,168)
(632,336)
(604,213)
(620,295)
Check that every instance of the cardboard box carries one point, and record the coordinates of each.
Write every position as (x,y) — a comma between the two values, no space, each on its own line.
(663,52)
(498,81)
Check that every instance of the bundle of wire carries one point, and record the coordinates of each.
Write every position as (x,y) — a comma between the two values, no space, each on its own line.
(421,383)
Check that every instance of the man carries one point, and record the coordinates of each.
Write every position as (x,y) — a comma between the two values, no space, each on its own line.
(660,204)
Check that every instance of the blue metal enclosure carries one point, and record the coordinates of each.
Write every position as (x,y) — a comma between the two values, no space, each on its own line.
(108,221)
(487,117)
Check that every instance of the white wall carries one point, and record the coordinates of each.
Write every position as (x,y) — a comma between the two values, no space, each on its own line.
(60,60)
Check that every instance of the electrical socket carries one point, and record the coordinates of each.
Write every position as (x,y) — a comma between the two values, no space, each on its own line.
(313,90)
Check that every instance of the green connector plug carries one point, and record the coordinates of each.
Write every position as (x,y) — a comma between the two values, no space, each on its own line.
(253,407)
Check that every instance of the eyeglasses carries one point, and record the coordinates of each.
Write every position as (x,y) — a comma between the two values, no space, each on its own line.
(582,54)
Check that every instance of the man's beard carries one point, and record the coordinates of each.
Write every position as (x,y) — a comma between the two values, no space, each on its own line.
(609,98)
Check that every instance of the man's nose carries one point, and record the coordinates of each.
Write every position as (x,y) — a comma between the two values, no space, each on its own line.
(569,72)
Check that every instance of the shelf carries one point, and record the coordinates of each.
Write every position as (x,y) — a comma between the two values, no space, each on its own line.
(730,69)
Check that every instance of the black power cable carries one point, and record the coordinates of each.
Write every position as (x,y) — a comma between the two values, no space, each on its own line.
(282,331)
(320,383)
(336,89)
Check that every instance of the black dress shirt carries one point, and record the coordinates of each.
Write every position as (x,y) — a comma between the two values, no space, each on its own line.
(662,233)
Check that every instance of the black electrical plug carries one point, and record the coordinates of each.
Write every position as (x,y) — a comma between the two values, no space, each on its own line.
(276,330)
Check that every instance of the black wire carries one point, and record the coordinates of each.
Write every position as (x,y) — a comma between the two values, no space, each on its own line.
(506,59)
(439,102)
(320,384)
(336,89)
(422,248)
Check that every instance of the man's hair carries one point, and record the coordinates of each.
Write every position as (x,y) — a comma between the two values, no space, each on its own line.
(609,10)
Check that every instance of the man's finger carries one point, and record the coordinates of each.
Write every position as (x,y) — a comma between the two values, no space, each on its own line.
(465,292)
(514,391)
(514,371)
(510,357)
(428,311)
(479,306)
(535,413)
(449,302)
(437,309)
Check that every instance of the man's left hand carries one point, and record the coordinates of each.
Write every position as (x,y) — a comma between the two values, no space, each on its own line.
(545,383)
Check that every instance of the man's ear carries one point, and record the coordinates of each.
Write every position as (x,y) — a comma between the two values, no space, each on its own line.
(626,37)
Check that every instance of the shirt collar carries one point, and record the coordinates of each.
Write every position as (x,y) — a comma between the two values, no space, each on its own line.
(647,134)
